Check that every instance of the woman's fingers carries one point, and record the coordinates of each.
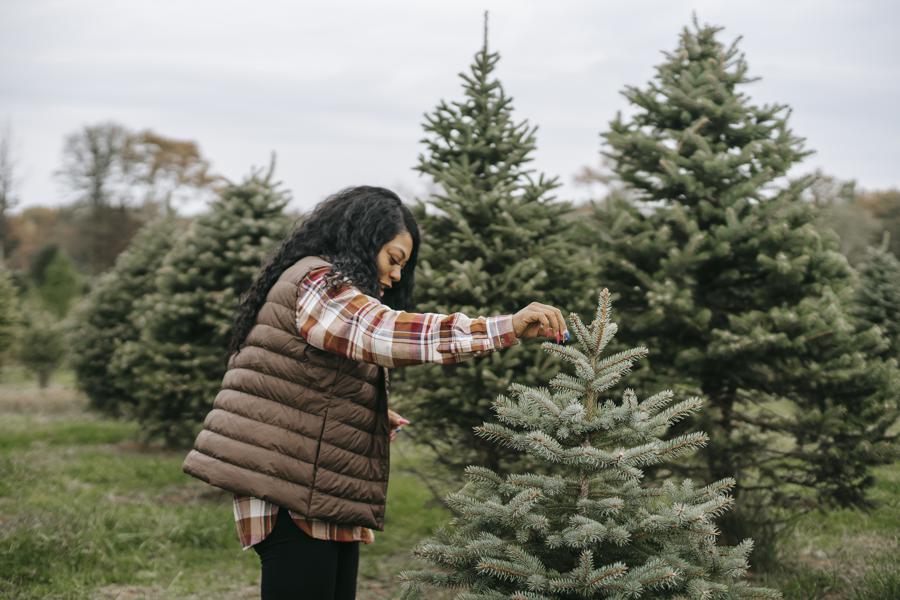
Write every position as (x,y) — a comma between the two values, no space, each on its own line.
(542,323)
(395,419)
(561,320)
(552,320)
(539,319)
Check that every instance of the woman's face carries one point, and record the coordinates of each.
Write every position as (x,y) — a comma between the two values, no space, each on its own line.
(392,258)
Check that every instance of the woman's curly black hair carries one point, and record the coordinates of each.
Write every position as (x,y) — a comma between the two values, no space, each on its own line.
(348,229)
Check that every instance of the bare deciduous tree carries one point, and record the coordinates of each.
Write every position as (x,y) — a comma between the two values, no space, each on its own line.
(95,164)
(165,169)
(119,176)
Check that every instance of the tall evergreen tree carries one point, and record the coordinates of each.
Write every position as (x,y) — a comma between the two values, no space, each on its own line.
(720,267)
(107,319)
(179,359)
(494,241)
(593,528)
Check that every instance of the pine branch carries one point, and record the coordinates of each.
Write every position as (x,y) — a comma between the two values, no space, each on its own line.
(673,414)
(564,381)
(581,332)
(682,444)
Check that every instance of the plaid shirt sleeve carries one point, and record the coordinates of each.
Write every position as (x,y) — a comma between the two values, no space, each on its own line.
(346,321)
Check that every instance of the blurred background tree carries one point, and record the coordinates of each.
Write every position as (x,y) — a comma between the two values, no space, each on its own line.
(121,179)
(56,285)
(878,293)
(42,348)
(842,208)
(108,319)
(9,314)
(175,365)
(165,172)
(95,169)
(8,196)
(884,205)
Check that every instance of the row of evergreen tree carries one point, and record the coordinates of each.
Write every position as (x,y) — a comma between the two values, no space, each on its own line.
(718,267)
(152,336)
(716,263)
(714,260)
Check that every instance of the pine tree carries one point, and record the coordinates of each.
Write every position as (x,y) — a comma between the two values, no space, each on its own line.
(37,267)
(720,266)
(9,313)
(878,293)
(42,348)
(179,359)
(107,318)
(493,242)
(591,527)
(54,282)
(60,284)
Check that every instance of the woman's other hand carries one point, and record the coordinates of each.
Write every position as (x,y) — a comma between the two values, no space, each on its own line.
(396,422)
(538,319)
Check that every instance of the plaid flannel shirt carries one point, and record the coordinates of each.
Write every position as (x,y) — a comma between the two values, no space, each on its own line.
(346,321)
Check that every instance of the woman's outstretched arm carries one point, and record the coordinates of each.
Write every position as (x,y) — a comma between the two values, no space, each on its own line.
(346,321)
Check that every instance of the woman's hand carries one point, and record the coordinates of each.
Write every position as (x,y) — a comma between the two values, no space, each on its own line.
(539,319)
(396,422)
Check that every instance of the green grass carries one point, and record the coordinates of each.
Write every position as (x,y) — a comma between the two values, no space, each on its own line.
(846,553)
(85,512)
(15,376)
(21,433)
(88,510)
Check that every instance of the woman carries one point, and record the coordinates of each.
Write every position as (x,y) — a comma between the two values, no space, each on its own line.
(300,429)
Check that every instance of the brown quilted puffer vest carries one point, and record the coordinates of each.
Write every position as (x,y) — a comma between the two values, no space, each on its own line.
(296,425)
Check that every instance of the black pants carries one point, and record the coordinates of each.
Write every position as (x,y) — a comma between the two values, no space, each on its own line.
(298,567)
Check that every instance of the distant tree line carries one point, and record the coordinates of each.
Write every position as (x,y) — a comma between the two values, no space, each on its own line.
(115,181)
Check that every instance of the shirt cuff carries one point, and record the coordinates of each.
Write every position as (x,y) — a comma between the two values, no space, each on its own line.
(501,332)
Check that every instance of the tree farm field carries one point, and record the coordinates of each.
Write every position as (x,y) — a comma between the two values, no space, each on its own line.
(86,512)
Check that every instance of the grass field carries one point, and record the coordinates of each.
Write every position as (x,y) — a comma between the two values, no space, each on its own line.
(87,513)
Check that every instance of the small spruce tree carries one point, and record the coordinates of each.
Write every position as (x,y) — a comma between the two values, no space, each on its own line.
(591,527)
(179,359)
(107,318)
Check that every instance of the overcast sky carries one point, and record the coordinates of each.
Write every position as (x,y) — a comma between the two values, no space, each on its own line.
(338,89)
